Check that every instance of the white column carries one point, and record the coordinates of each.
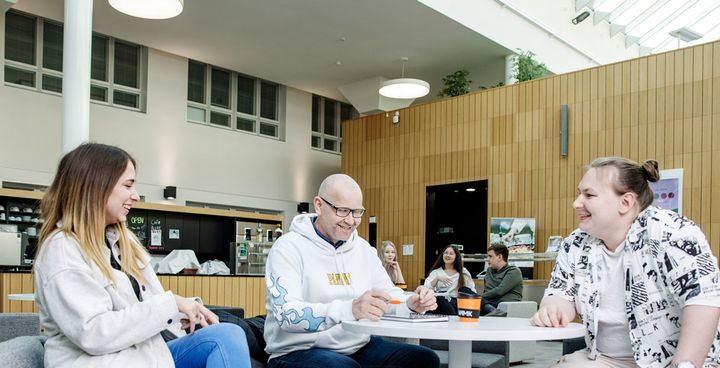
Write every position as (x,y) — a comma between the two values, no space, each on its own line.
(77,42)
(509,73)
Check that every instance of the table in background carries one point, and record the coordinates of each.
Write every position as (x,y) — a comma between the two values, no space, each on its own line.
(460,335)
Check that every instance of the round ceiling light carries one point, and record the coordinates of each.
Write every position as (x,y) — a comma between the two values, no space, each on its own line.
(404,88)
(149,9)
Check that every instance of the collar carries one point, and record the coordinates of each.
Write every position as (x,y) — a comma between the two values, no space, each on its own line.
(317,231)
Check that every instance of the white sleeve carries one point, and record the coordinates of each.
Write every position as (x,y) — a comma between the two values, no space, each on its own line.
(430,278)
(469,283)
(82,308)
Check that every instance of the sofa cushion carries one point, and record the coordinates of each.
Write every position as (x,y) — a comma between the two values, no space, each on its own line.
(18,324)
(23,352)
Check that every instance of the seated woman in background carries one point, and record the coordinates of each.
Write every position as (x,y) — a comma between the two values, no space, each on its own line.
(388,256)
(101,304)
(445,278)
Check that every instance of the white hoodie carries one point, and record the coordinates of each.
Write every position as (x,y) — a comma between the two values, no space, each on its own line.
(311,286)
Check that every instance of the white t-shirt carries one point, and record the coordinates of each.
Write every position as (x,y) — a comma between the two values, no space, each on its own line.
(613,334)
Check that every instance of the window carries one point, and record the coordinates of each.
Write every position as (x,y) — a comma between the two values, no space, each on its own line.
(327,116)
(34,58)
(219,97)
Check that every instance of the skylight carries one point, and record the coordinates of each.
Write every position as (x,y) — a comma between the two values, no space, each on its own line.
(649,23)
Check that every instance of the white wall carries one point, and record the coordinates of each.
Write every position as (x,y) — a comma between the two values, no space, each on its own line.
(206,164)
(498,21)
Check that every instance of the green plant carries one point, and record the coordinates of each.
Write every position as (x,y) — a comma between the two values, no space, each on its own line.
(499,84)
(456,84)
(527,68)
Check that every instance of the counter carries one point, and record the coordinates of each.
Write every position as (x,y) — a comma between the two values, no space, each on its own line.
(247,292)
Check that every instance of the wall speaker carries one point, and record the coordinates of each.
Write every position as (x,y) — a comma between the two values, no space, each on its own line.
(170,192)
(303,207)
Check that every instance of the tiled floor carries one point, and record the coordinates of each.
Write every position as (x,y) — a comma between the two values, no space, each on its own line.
(546,353)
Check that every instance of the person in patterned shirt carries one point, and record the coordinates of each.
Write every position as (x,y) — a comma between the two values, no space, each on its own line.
(643,280)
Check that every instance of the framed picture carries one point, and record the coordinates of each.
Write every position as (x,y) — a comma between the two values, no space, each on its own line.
(668,190)
(518,234)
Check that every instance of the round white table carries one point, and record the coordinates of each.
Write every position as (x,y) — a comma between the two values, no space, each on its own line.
(460,335)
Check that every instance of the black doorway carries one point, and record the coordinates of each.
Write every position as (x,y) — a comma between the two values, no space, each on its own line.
(456,214)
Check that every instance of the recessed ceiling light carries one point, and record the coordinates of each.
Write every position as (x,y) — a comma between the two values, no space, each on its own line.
(470,189)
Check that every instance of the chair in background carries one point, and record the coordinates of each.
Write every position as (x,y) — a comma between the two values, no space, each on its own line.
(520,350)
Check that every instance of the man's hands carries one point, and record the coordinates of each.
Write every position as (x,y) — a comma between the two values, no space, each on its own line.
(371,305)
(422,301)
(554,312)
(196,313)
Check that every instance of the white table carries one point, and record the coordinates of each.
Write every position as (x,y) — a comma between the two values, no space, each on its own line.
(22,297)
(460,335)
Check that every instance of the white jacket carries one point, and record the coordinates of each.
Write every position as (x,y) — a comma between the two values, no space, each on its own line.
(90,322)
(311,286)
(451,289)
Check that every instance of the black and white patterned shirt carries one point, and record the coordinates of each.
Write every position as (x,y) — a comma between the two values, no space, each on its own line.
(668,264)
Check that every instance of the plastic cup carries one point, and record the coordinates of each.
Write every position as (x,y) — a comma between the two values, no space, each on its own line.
(468,307)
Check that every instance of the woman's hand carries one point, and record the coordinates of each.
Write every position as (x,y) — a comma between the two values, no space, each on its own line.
(196,313)
(444,280)
(209,317)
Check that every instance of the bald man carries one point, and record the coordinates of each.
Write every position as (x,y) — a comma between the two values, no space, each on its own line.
(322,273)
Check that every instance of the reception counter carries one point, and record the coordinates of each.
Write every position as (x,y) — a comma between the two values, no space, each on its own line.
(247,292)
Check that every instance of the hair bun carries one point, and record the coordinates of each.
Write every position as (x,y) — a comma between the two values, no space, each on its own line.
(650,170)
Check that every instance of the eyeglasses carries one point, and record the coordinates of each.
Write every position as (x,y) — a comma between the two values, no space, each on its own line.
(344,211)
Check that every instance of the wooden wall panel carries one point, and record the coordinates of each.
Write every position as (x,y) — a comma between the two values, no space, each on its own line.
(662,106)
(235,291)
(16,283)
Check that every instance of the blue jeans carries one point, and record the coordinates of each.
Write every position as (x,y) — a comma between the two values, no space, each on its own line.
(222,345)
(376,353)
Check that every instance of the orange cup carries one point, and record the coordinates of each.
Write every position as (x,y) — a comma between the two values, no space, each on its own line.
(468,307)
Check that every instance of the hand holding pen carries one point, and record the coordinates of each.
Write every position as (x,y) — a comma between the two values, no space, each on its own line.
(370,305)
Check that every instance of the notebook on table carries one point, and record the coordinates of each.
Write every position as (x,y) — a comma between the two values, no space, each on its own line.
(416,318)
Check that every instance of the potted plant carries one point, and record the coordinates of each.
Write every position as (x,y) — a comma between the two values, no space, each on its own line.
(456,84)
(527,68)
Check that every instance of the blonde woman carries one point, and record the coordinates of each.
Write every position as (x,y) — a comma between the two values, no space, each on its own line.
(388,256)
(101,304)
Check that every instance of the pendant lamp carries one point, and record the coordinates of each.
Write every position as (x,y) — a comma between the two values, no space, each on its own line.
(149,9)
(404,87)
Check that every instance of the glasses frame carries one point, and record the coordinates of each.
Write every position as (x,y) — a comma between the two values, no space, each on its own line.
(349,210)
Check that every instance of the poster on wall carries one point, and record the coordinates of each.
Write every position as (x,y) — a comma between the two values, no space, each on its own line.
(518,234)
(668,190)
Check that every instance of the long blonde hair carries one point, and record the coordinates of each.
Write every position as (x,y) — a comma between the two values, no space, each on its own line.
(76,200)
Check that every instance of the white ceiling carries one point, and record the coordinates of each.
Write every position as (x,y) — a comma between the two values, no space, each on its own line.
(299,43)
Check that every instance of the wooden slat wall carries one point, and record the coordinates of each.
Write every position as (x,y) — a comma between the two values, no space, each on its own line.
(16,283)
(246,292)
(662,106)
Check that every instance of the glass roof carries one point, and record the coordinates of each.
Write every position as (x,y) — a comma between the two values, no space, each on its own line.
(658,25)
